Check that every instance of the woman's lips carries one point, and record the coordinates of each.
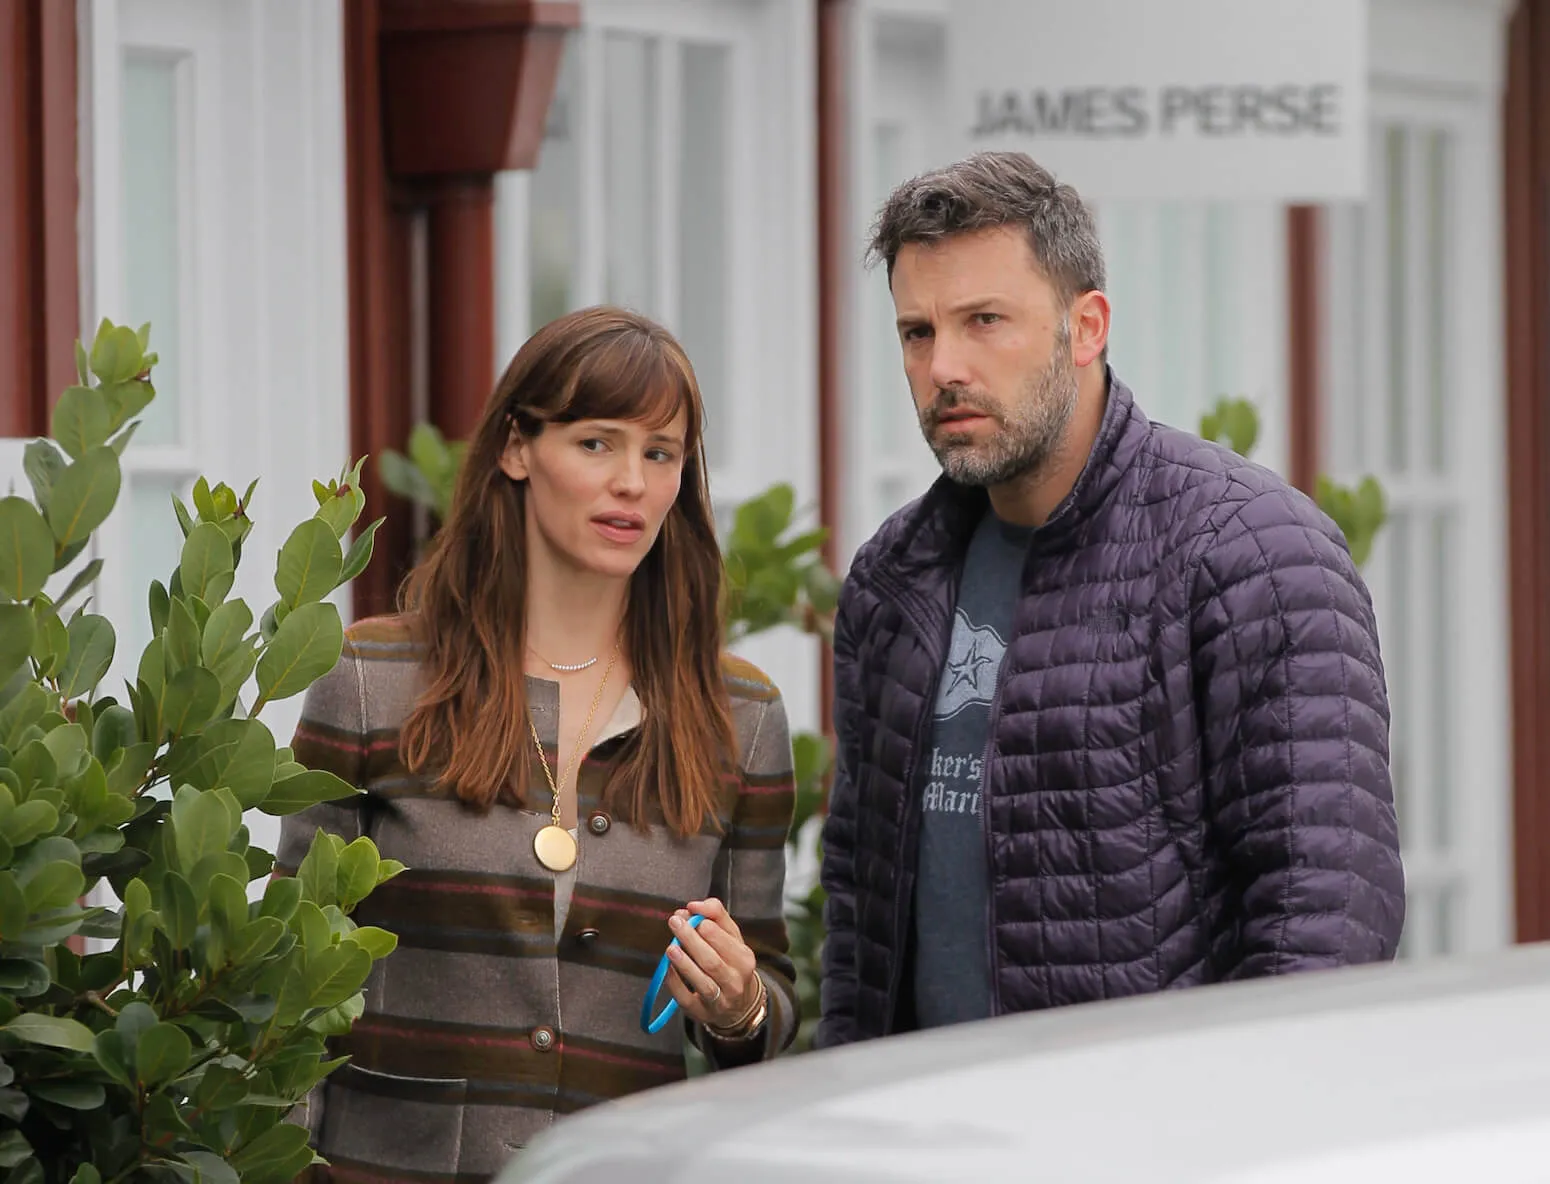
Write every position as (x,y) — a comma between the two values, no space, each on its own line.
(620,528)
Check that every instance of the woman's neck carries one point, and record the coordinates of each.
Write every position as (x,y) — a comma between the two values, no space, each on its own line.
(573,616)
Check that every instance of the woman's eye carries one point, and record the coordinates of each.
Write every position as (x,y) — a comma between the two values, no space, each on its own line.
(592,445)
(660,455)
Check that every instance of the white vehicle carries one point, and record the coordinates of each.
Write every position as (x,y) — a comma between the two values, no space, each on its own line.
(1437,1071)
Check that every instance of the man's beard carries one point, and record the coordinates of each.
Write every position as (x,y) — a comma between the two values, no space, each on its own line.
(1031,431)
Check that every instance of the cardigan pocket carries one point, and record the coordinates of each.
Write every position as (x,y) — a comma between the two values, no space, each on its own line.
(392,1122)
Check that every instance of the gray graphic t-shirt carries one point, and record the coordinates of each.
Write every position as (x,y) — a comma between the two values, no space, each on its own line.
(952,883)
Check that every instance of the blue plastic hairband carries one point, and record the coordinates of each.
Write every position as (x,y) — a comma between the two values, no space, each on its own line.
(649,1025)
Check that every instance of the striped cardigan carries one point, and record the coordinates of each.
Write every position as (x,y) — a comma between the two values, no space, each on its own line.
(482,1026)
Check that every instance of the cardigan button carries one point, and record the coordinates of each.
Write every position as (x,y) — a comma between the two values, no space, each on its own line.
(599,823)
(586,937)
(542,1039)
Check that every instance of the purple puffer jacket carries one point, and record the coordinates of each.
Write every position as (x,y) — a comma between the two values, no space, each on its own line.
(1189,778)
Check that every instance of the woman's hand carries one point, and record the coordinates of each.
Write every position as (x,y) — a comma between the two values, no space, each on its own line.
(713,973)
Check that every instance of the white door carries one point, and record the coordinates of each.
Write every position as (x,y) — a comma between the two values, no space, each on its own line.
(213,169)
(676,178)
(1414,380)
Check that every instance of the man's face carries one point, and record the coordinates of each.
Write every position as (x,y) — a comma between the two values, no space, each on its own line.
(987,351)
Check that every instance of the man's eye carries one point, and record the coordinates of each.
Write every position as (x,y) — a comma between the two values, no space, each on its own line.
(987,318)
(917,333)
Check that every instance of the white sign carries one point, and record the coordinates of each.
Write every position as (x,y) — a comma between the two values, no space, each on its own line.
(1194,99)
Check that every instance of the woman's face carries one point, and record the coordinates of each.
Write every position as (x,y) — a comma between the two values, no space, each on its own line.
(598,490)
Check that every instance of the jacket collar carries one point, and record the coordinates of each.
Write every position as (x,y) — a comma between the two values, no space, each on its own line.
(937,533)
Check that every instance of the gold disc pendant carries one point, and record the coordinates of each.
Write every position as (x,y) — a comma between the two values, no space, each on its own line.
(555,848)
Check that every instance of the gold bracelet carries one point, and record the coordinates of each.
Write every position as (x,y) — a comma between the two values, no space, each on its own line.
(750,1021)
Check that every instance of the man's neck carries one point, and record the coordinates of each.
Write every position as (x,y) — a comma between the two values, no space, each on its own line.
(1029,500)
(572,615)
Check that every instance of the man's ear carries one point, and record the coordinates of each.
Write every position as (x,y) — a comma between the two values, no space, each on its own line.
(1089,327)
(514,458)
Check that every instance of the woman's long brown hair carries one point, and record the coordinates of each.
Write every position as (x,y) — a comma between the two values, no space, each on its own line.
(466,600)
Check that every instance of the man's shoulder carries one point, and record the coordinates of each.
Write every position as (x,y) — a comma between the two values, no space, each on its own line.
(1211,490)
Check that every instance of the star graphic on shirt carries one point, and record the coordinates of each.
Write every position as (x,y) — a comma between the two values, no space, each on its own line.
(969,674)
(968,669)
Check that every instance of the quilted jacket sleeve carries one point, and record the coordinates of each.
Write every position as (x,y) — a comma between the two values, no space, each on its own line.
(837,994)
(1295,720)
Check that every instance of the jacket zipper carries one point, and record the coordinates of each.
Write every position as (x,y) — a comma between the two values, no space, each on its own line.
(988,836)
(908,832)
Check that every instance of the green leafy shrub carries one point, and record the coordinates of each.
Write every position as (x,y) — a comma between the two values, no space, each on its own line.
(175,1044)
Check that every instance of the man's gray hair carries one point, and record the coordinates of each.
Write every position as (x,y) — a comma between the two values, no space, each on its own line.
(994,189)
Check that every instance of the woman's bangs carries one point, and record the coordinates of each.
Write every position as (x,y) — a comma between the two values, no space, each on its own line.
(632,379)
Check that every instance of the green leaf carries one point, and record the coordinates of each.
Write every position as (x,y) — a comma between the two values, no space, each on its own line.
(236,753)
(360,553)
(226,632)
(81,421)
(126,400)
(90,655)
(84,496)
(310,563)
(336,974)
(51,1030)
(13,907)
(281,896)
(357,873)
(17,633)
(318,872)
(42,462)
(202,825)
(179,911)
(116,354)
(79,582)
(24,977)
(54,886)
(278,1145)
(51,641)
(86,1174)
(26,549)
(301,790)
(73,1095)
(256,939)
(182,637)
(192,698)
(162,1054)
(67,745)
(379,943)
(13,1148)
(208,566)
(28,821)
(306,647)
(228,905)
(210,1169)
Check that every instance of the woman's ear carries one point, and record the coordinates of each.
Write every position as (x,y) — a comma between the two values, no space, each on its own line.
(514,457)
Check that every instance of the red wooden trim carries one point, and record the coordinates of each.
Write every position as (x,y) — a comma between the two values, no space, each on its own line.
(39,263)
(1526,186)
(1303,346)
(377,245)
(834,285)
(461,297)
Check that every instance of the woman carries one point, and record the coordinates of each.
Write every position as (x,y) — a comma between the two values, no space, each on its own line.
(551,740)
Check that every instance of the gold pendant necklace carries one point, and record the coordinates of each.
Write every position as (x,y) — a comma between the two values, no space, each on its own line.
(554,845)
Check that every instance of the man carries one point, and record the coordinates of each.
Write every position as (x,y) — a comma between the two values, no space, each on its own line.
(1111,716)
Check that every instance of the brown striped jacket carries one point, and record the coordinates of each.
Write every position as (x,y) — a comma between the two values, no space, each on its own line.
(482,1026)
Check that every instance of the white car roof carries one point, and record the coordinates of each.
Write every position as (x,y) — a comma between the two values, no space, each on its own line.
(1437,1071)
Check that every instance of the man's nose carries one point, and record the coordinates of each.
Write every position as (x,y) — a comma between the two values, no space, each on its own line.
(949,362)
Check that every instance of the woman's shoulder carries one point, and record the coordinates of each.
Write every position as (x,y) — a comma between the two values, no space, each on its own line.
(386,639)
(745,682)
